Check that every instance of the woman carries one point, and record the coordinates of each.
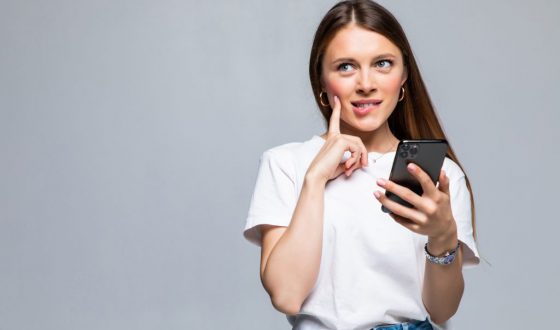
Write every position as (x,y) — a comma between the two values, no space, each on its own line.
(330,258)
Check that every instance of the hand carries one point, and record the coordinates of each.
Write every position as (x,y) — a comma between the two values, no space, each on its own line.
(326,165)
(431,214)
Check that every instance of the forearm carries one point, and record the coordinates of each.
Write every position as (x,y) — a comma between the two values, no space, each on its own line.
(443,284)
(293,265)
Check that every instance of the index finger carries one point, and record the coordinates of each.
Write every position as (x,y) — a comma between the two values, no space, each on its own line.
(334,122)
(426,182)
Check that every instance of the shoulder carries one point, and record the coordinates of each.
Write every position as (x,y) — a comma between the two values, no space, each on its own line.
(290,153)
(452,169)
(282,151)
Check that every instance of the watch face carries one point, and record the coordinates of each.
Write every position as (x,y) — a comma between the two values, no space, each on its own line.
(449,259)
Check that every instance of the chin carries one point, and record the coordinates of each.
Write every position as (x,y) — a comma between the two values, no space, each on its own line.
(366,124)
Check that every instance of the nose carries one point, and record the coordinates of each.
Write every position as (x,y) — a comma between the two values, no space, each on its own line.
(366,82)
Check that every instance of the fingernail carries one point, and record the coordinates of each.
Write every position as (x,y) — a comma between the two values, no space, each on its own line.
(381,182)
(411,167)
(377,194)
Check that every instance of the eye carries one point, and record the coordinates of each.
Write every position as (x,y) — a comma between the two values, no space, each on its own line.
(384,64)
(342,67)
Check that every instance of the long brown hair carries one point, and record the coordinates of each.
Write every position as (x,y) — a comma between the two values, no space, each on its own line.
(414,117)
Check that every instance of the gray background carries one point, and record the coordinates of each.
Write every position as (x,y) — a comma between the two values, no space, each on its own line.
(130,133)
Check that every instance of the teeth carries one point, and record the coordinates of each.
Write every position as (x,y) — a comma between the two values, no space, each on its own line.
(365,105)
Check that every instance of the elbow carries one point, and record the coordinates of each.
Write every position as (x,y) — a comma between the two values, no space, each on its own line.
(442,318)
(286,305)
(442,315)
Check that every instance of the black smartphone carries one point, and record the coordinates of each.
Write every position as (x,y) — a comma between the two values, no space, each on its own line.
(427,154)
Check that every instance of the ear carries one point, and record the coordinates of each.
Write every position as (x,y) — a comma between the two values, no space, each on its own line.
(404,75)
(321,83)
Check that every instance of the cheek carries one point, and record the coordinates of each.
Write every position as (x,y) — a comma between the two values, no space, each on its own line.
(392,84)
(338,87)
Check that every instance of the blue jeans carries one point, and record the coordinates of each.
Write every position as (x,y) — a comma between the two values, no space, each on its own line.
(417,325)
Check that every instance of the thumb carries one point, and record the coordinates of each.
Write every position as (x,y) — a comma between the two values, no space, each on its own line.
(341,168)
(443,182)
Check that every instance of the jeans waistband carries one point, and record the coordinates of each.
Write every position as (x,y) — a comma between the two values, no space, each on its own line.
(414,325)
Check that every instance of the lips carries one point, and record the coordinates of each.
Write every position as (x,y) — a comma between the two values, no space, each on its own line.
(368,102)
(363,107)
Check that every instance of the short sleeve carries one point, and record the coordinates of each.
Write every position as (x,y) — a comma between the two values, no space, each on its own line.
(274,197)
(461,209)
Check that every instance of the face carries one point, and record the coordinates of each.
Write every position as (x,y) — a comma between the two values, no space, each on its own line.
(366,71)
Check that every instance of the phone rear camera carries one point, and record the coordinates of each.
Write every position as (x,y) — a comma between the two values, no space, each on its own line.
(405,147)
(404,154)
(414,150)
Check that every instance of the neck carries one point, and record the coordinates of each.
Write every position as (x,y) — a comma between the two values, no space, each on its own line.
(380,140)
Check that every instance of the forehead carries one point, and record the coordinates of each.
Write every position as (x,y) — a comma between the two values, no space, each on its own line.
(357,42)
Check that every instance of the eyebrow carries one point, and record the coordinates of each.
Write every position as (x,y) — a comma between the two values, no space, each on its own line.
(378,57)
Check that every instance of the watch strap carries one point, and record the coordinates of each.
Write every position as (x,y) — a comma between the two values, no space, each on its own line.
(446,259)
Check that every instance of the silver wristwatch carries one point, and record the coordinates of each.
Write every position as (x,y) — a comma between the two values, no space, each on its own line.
(446,259)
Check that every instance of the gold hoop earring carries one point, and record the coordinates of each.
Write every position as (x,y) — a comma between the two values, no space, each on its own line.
(321,99)
(402,97)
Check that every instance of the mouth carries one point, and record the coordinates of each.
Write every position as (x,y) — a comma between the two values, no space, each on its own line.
(363,107)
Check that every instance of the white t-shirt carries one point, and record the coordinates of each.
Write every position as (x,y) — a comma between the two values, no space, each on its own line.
(372,268)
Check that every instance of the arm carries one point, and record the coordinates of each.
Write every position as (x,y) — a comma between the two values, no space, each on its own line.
(291,257)
(431,216)
(290,261)
(443,284)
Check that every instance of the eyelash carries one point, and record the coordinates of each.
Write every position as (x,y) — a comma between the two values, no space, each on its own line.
(388,61)
(342,65)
